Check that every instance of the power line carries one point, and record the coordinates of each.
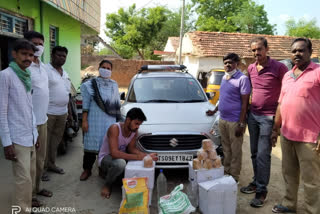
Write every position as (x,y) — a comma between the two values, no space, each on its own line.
(145,5)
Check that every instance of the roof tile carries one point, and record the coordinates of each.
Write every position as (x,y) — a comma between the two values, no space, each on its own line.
(221,43)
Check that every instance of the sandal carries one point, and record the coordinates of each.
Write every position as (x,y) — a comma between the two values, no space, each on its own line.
(251,188)
(45,177)
(36,203)
(281,209)
(56,170)
(45,193)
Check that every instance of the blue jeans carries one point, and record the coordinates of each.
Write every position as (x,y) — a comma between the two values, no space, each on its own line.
(260,128)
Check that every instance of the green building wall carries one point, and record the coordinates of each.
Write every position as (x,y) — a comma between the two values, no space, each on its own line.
(69,35)
(30,9)
(69,31)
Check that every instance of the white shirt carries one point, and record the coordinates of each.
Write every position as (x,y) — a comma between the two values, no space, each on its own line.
(17,121)
(59,89)
(40,91)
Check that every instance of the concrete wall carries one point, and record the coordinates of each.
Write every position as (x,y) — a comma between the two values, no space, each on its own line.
(205,64)
(123,69)
(192,64)
(169,47)
(208,63)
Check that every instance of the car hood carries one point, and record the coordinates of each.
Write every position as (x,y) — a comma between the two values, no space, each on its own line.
(172,113)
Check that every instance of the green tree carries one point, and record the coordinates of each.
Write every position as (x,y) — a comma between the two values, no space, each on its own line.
(303,28)
(232,16)
(171,28)
(103,52)
(132,31)
(141,32)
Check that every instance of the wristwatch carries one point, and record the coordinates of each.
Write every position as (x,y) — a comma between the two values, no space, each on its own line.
(242,125)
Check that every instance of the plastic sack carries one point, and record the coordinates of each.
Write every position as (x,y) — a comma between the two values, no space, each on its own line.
(217,162)
(207,144)
(147,162)
(176,202)
(137,196)
(202,155)
(212,154)
(196,164)
(208,164)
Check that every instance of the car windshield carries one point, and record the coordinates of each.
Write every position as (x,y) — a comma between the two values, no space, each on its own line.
(166,90)
(215,78)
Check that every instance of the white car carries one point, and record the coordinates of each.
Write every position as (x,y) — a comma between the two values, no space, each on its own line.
(175,106)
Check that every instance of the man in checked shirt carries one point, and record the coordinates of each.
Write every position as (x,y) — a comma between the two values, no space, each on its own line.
(18,130)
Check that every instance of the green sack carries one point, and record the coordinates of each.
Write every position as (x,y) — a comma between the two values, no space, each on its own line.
(176,202)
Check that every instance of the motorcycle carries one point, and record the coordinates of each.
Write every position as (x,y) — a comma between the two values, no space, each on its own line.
(72,124)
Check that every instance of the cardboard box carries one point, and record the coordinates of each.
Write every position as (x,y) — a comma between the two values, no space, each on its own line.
(150,195)
(202,175)
(136,169)
(219,195)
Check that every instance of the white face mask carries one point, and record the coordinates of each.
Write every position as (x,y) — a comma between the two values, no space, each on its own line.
(105,73)
(231,72)
(40,50)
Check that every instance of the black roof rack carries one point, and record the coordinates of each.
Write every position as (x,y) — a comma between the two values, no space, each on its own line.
(162,67)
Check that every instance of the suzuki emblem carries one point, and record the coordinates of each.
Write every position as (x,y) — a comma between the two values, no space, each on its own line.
(173,142)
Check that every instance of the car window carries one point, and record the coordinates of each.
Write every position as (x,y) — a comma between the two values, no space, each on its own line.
(215,78)
(166,90)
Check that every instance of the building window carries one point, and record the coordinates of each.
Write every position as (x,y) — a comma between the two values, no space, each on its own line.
(11,24)
(53,37)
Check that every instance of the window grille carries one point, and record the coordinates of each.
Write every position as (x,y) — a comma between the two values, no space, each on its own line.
(12,24)
(53,37)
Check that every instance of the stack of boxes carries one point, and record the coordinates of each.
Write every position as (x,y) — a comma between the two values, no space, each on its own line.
(137,169)
(215,191)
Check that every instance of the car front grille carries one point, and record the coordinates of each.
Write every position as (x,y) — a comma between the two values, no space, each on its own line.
(162,142)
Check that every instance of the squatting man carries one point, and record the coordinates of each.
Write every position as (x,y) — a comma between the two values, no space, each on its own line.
(119,145)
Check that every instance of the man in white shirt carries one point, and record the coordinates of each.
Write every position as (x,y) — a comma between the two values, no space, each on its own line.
(59,89)
(40,101)
(18,131)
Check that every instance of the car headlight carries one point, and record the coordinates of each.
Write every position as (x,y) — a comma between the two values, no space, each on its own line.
(215,130)
(215,126)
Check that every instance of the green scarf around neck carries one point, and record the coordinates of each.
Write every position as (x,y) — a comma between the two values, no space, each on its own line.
(24,76)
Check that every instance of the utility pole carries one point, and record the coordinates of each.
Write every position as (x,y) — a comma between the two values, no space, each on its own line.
(181,31)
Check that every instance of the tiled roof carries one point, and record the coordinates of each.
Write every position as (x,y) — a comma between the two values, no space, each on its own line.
(220,43)
(156,52)
(175,42)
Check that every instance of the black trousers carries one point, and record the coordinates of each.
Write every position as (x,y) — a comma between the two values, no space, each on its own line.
(88,160)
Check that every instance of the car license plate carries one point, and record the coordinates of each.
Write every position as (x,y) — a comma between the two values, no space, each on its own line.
(177,158)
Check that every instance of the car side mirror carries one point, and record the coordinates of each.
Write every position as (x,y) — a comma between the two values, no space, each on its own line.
(208,95)
(122,96)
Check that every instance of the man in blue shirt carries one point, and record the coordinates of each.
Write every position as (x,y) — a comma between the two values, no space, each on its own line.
(234,98)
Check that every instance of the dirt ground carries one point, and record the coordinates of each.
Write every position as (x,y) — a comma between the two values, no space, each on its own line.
(85,198)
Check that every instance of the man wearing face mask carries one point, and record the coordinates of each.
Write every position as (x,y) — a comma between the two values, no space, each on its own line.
(101,108)
(59,90)
(40,101)
(234,97)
